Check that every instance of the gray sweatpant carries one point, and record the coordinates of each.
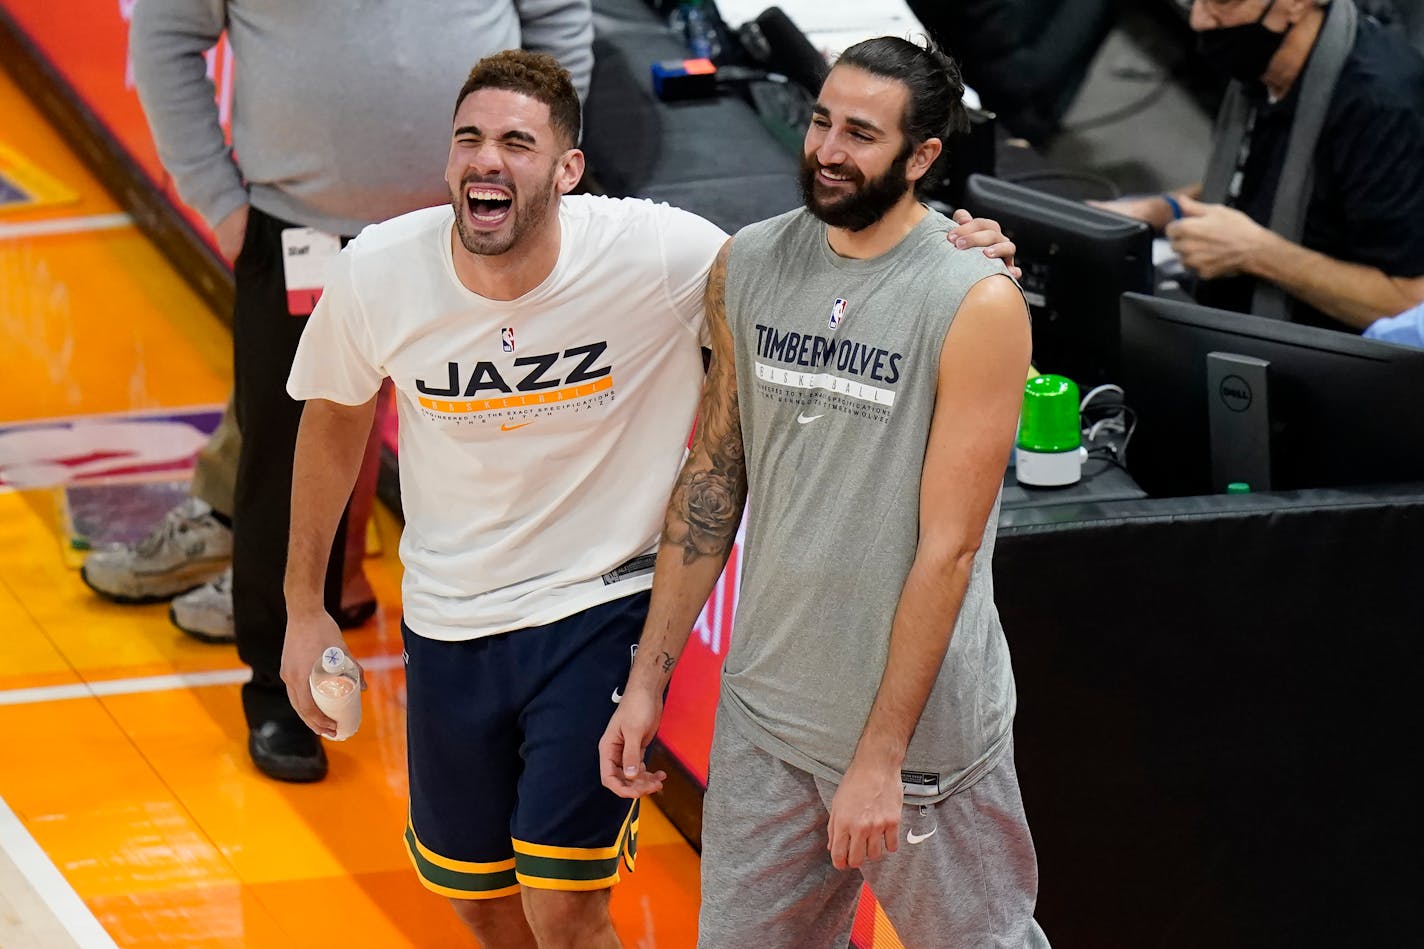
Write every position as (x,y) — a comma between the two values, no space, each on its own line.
(969,881)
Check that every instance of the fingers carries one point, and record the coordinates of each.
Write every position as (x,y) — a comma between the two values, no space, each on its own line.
(610,757)
(299,695)
(647,782)
(642,784)
(1192,205)
(315,718)
(1186,228)
(1005,251)
(975,232)
(961,216)
(851,846)
(621,767)
(838,844)
(984,233)
(632,757)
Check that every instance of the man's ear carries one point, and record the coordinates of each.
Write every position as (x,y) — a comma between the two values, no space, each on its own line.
(922,158)
(571,165)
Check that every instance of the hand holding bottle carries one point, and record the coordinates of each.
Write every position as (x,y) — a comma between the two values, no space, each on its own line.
(336,689)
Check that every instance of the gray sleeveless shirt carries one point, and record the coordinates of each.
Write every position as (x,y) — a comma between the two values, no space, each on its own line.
(837,366)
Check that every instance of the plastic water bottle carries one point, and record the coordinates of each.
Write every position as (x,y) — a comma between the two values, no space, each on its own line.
(698,30)
(336,689)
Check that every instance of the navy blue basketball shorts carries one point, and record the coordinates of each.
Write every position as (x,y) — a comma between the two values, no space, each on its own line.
(502,736)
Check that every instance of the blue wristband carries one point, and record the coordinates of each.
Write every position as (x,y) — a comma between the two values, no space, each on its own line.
(1175,205)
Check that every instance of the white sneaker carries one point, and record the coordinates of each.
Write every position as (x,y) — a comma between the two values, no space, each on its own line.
(206,613)
(188,548)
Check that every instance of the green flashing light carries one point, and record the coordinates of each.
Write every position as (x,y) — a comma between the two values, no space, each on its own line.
(1050,415)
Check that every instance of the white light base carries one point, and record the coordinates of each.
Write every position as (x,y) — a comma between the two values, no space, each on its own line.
(1054,469)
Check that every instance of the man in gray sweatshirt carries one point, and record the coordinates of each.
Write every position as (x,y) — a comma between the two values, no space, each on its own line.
(339,120)
(863,392)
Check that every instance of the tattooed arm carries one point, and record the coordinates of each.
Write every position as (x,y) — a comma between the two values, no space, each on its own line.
(702,519)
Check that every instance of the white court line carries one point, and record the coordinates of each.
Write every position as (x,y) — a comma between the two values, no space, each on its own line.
(25,853)
(51,886)
(187,680)
(65,225)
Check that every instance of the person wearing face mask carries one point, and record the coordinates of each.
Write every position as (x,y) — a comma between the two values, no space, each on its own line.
(1311,206)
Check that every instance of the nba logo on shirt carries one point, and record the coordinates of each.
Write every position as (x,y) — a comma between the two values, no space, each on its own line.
(837,313)
(506,339)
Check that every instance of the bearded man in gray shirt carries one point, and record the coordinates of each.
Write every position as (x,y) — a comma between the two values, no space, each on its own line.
(339,119)
(864,389)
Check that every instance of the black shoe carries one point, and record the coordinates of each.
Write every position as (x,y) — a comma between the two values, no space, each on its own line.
(287,751)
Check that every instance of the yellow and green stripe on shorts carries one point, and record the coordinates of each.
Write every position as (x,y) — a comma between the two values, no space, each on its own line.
(538,865)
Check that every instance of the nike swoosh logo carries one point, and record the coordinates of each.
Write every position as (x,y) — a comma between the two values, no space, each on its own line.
(617,696)
(915,838)
(510,428)
(803,418)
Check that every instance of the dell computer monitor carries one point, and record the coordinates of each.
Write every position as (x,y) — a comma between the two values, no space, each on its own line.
(1339,410)
(1077,262)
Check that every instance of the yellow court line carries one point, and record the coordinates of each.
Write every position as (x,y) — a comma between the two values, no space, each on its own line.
(41,188)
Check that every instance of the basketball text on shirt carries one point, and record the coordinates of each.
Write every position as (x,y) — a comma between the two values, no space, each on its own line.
(485,376)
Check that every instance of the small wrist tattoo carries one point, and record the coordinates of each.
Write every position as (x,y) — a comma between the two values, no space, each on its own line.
(668,661)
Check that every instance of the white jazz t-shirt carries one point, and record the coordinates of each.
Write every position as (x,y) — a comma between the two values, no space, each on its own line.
(539,437)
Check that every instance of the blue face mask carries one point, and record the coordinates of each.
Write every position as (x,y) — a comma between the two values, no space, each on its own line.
(1242,52)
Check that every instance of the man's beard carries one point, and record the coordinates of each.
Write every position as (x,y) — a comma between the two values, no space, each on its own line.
(525,218)
(861,207)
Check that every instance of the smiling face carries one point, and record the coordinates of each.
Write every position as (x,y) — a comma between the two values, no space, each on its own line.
(856,159)
(506,170)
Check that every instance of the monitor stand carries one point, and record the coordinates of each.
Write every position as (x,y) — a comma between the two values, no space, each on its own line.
(1239,411)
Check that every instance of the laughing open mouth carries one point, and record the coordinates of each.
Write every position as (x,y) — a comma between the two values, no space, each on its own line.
(487,205)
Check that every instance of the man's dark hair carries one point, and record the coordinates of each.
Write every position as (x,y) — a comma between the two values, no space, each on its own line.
(935,108)
(536,75)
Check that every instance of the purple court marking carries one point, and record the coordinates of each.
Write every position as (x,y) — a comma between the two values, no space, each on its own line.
(131,445)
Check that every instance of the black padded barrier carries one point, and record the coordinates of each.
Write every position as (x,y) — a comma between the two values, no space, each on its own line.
(1219,716)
